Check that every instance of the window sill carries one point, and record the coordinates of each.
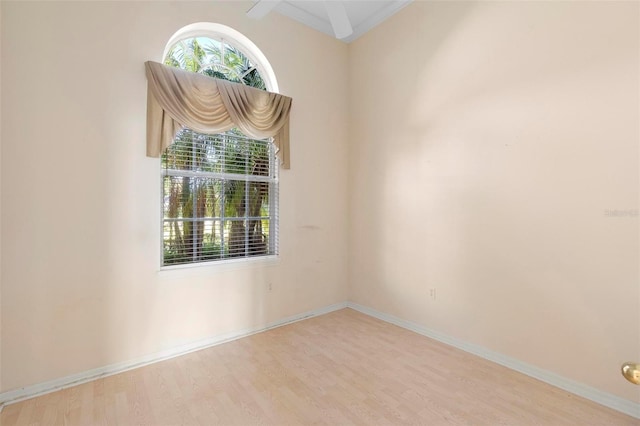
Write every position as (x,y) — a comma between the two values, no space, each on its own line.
(221,265)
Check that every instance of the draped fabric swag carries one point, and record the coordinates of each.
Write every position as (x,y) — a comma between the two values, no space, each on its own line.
(177,98)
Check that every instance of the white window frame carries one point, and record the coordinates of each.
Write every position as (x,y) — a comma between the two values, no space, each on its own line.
(228,35)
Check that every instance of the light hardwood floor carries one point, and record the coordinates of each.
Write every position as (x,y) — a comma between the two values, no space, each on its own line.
(340,368)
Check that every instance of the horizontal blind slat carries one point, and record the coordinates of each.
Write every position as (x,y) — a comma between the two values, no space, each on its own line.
(212,187)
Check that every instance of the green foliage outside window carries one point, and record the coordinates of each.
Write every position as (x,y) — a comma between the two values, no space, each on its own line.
(218,189)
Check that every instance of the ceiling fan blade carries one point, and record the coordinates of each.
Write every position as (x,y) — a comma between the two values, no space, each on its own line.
(262,8)
(339,19)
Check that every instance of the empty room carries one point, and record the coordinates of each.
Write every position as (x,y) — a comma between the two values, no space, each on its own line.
(289,212)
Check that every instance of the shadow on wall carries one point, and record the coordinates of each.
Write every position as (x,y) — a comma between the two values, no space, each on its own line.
(516,129)
(399,210)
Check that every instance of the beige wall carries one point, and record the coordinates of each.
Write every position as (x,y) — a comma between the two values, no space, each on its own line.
(487,141)
(516,127)
(80,222)
(0,198)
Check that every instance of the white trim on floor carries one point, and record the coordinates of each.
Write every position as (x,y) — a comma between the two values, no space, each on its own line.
(31,391)
(603,398)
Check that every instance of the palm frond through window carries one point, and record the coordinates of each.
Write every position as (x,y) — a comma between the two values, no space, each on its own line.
(219,191)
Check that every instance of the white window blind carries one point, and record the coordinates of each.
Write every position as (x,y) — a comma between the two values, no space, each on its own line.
(220,198)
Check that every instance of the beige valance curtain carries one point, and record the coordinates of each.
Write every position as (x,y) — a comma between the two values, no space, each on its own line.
(177,98)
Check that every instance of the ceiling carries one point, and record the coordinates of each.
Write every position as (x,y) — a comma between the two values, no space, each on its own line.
(362,14)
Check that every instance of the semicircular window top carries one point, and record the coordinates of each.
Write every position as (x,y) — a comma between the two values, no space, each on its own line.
(215,58)
(219,191)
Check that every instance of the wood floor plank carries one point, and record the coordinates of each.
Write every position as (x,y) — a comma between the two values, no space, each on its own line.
(337,369)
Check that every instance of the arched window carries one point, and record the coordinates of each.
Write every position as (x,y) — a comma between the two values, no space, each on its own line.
(220,191)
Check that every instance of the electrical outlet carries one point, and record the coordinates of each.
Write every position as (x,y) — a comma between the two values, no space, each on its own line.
(432,293)
(269,287)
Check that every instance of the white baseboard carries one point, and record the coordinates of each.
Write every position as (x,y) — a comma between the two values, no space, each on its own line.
(595,395)
(31,391)
(603,398)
